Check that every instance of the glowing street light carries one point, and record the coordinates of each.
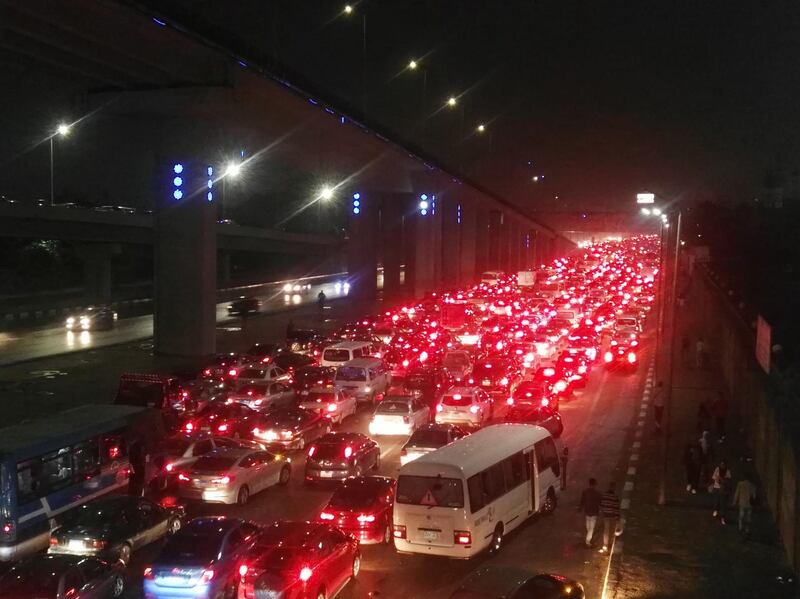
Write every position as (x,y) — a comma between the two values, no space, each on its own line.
(656,211)
(348,9)
(232,169)
(451,101)
(326,193)
(647,211)
(481,128)
(413,64)
(62,130)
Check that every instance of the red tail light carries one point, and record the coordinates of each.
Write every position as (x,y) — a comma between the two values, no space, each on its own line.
(207,372)
(462,537)
(183,477)
(348,451)
(222,428)
(243,570)
(399,531)
(326,516)
(311,450)
(233,372)
(366,518)
(332,407)
(632,358)
(474,409)
(113,452)
(223,480)
(545,402)
(208,576)
(608,356)
(510,401)
(305,574)
(148,573)
(439,407)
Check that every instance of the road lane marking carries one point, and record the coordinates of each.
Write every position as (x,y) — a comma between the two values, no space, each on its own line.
(637,444)
(634,457)
(625,504)
(632,471)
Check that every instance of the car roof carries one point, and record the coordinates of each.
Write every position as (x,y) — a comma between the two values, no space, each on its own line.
(340,438)
(229,452)
(463,390)
(211,525)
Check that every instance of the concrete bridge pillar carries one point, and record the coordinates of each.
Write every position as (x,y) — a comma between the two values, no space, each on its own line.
(423,247)
(467,221)
(363,245)
(185,266)
(515,245)
(96,259)
(481,226)
(494,258)
(452,239)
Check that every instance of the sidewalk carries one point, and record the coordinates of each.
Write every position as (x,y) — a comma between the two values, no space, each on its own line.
(679,550)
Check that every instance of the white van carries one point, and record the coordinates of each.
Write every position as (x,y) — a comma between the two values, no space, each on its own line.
(363,378)
(344,351)
(491,277)
(465,497)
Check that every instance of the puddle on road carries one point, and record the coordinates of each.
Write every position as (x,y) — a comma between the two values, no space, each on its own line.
(46,374)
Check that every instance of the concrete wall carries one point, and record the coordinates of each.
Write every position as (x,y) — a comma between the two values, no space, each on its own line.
(766,408)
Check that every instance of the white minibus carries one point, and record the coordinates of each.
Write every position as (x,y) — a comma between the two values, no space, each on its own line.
(465,497)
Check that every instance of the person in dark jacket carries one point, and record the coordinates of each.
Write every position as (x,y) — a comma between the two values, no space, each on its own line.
(609,512)
(691,461)
(590,506)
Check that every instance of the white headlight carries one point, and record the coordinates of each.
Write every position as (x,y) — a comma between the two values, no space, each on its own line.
(287,287)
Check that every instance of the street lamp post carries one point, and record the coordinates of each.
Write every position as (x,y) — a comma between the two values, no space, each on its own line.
(62,130)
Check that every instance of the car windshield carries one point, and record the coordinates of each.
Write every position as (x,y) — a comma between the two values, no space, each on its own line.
(189,548)
(38,577)
(428,438)
(351,373)
(336,355)
(287,418)
(252,373)
(457,399)
(98,513)
(213,464)
(456,360)
(355,496)
(330,450)
(392,407)
(175,446)
(430,491)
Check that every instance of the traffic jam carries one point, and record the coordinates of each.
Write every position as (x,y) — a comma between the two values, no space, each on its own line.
(469,382)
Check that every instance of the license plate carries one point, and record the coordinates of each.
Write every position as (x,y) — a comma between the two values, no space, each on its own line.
(76,545)
(325,474)
(430,535)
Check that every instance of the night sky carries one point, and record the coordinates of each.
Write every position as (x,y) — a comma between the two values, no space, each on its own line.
(688,99)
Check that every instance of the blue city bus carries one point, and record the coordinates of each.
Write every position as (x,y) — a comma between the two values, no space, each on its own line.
(52,465)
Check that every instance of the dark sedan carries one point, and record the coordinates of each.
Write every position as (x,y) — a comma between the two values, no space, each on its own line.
(536,414)
(112,528)
(291,428)
(337,456)
(313,376)
(291,361)
(299,560)
(244,306)
(507,582)
(100,318)
(62,577)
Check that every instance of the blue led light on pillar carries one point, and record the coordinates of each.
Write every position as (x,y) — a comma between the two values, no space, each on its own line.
(458,214)
(356,203)
(424,205)
(177,181)
(433,205)
(210,175)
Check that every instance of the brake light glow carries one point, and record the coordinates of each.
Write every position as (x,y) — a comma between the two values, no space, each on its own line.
(439,407)
(305,574)
(510,401)
(169,467)
(232,372)
(457,396)
(326,516)
(549,372)
(188,427)
(243,570)
(224,480)
(348,451)
(222,427)
(399,531)
(312,450)
(182,477)
(462,537)
(504,381)
(560,386)
(208,576)
(545,402)
(474,409)
(8,528)
(608,356)
(365,518)
(148,573)
(332,407)
(632,358)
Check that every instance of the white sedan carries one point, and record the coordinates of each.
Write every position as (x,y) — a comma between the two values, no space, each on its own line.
(335,404)
(399,416)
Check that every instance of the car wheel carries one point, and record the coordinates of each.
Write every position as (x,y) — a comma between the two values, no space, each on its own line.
(550,502)
(174,525)
(124,555)
(117,586)
(356,566)
(243,496)
(497,540)
(286,475)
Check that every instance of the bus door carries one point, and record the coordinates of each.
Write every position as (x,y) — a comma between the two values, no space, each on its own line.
(533,479)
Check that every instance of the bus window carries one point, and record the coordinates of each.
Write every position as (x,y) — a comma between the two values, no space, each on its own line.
(86,459)
(477,497)
(547,456)
(430,490)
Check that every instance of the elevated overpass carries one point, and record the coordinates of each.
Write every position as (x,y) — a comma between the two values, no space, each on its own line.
(155,95)
(582,226)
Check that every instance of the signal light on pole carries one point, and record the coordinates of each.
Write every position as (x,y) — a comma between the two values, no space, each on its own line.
(356,203)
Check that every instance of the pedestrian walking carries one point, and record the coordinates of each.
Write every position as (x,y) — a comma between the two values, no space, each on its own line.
(609,512)
(743,499)
(699,352)
(590,506)
(321,297)
(691,461)
(719,409)
(706,455)
(685,345)
(658,405)
(704,416)
(719,487)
